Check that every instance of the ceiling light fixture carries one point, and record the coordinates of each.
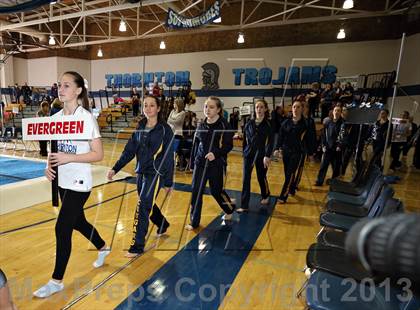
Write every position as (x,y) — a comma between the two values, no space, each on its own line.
(100,53)
(162,45)
(218,20)
(241,38)
(51,41)
(348,4)
(123,26)
(341,34)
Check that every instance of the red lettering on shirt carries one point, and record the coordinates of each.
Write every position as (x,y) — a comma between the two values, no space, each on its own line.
(79,128)
(72,127)
(66,127)
(59,126)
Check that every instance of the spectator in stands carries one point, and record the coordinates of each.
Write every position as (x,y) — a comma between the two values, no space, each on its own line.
(234,120)
(56,106)
(327,97)
(161,96)
(185,147)
(17,92)
(156,90)
(347,96)
(35,95)
(189,95)
(134,93)
(43,112)
(135,106)
(26,93)
(176,121)
(337,91)
(400,133)
(167,107)
(314,98)
(277,118)
(54,91)
(409,143)
(117,99)
(378,136)
(225,114)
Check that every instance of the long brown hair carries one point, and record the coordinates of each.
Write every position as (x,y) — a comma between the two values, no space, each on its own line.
(80,82)
(218,102)
(267,111)
(158,103)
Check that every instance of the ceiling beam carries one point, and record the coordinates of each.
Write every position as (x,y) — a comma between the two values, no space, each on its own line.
(322,7)
(281,13)
(234,27)
(108,9)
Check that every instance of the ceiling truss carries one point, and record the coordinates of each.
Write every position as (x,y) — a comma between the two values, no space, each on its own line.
(146,19)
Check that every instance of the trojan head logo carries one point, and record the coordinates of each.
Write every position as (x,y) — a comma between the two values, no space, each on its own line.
(210,76)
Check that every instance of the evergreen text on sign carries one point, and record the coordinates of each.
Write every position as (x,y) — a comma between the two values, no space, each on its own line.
(68,127)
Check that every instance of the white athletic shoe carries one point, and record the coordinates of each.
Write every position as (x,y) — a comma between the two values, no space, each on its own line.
(101,257)
(227,217)
(48,289)
(189,227)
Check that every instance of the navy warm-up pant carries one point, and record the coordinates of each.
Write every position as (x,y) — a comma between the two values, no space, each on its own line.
(214,174)
(291,162)
(329,157)
(300,170)
(147,188)
(247,174)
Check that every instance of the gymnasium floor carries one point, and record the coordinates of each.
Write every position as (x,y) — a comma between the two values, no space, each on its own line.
(254,264)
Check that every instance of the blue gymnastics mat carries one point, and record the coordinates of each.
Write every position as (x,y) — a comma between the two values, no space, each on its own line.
(15,170)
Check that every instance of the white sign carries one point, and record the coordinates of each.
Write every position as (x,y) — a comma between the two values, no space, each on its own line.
(67,127)
(245,110)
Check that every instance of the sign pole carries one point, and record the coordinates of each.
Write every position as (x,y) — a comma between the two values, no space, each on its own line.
(54,183)
(384,158)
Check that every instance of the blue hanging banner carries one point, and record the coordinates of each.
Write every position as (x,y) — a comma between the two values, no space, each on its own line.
(175,20)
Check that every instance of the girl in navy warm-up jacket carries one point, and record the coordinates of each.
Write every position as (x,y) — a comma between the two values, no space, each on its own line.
(152,146)
(257,149)
(212,142)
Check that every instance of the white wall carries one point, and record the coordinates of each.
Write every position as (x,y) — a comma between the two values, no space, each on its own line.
(350,59)
(42,71)
(6,72)
(409,75)
(20,69)
(410,66)
(81,66)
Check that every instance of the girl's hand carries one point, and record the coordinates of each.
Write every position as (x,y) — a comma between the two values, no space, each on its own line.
(278,154)
(110,175)
(210,156)
(49,173)
(57,159)
(266,162)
